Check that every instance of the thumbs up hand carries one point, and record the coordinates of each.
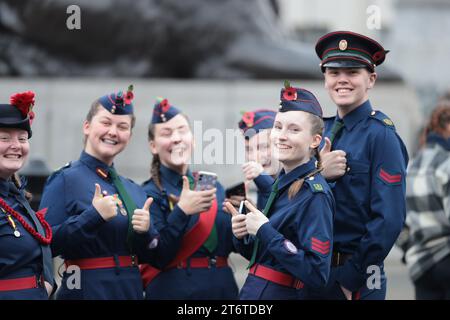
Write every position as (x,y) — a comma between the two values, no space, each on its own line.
(334,163)
(327,147)
(141,217)
(238,224)
(255,218)
(192,202)
(105,205)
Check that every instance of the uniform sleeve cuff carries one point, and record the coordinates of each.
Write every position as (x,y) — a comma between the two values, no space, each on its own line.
(178,218)
(266,233)
(143,238)
(264,182)
(92,219)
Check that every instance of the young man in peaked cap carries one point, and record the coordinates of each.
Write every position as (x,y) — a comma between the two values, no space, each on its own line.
(364,161)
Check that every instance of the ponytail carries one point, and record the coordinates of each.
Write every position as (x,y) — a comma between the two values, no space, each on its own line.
(295,188)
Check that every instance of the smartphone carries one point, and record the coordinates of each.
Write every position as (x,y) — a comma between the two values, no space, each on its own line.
(205,180)
(236,190)
(242,208)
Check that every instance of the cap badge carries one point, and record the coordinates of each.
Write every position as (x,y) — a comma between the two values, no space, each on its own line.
(343,45)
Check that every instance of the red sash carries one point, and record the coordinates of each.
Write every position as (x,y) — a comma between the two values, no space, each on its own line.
(192,241)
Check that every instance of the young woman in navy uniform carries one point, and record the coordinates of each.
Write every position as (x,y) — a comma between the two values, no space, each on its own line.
(365,160)
(201,230)
(25,257)
(290,250)
(100,220)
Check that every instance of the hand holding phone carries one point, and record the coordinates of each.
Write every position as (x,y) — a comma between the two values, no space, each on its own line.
(192,201)
(205,181)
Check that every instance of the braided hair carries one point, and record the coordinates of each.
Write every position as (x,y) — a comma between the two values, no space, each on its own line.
(16,180)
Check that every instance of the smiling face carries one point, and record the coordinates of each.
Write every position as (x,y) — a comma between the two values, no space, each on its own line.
(173,142)
(293,139)
(348,87)
(14,148)
(106,135)
(258,149)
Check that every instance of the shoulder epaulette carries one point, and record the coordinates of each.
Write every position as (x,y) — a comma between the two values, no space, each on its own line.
(314,184)
(67,165)
(380,116)
(58,171)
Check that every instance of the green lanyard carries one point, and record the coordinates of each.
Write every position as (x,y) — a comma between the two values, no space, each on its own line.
(269,203)
(128,202)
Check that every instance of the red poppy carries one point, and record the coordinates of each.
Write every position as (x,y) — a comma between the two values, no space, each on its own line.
(290,94)
(248,118)
(129,97)
(24,101)
(165,106)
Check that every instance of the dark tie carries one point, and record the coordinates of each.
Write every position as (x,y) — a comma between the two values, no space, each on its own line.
(271,199)
(211,243)
(337,127)
(130,206)
(46,250)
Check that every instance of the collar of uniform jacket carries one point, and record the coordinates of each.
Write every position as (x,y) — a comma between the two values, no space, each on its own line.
(172,176)
(93,163)
(434,138)
(360,113)
(304,169)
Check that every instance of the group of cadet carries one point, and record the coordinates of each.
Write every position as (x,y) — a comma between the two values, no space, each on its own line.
(330,204)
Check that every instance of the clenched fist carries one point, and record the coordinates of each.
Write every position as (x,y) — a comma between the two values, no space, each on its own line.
(252,170)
